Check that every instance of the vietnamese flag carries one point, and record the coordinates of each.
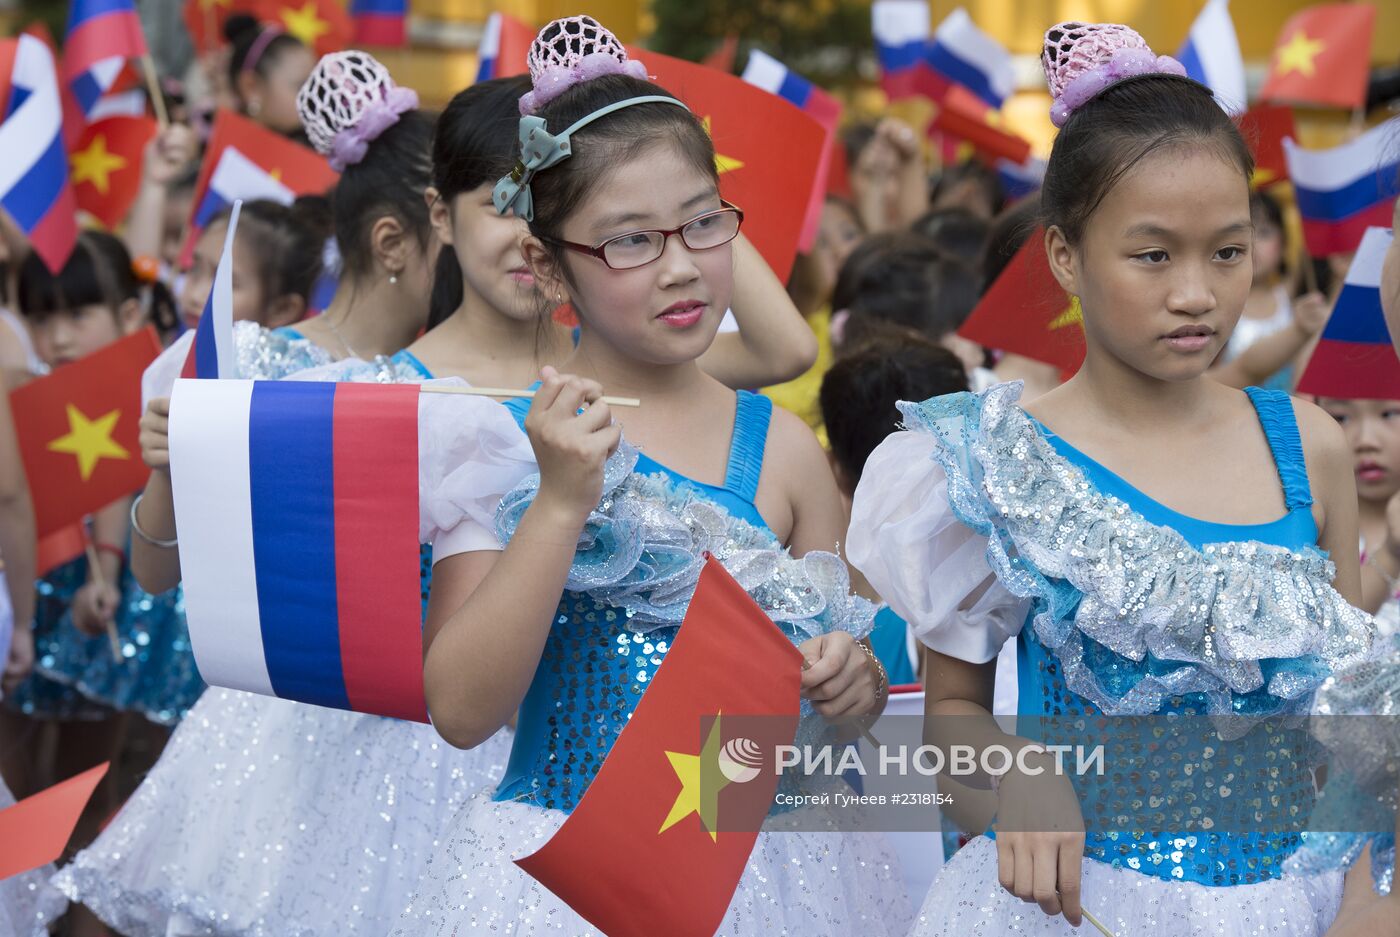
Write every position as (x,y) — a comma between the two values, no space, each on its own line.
(1026,312)
(61,546)
(1323,57)
(36,830)
(78,431)
(1265,127)
(767,151)
(205,20)
(668,796)
(105,166)
(322,25)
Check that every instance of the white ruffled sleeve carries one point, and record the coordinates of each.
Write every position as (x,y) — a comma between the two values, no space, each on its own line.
(471,453)
(922,560)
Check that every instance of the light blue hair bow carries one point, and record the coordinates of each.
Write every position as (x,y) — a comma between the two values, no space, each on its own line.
(539,150)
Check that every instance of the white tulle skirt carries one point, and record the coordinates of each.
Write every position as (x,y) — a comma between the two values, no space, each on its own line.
(266,818)
(822,884)
(967,900)
(28,904)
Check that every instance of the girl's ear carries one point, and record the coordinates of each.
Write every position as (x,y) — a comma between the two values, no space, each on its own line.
(130,316)
(549,279)
(439,215)
(390,244)
(1063,263)
(288,309)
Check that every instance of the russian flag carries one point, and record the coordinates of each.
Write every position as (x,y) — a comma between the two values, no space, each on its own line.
(101,35)
(901,29)
(297,507)
(1212,56)
(236,177)
(1345,190)
(212,354)
(962,54)
(764,71)
(380,22)
(1354,359)
(34,185)
(504,48)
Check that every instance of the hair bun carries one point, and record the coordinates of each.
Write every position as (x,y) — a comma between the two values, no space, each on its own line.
(573,50)
(1082,59)
(347,102)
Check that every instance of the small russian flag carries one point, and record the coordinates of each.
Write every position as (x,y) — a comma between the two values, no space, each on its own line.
(1343,191)
(504,48)
(212,355)
(901,29)
(962,54)
(1020,179)
(380,22)
(298,513)
(1212,56)
(101,35)
(764,71)
(34,185)
(1354,359)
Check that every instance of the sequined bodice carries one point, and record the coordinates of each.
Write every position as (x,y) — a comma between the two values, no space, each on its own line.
(1264,782)
(594,670)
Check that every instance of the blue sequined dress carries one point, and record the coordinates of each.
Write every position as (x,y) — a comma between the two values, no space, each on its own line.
(269,818)
(1120,607)
(637,565)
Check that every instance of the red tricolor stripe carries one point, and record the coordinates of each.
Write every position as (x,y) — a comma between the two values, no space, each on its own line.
(376,548)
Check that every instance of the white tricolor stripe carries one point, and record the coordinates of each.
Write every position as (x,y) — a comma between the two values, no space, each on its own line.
(765,72)
(1365,270)
(1340,166)
(899,22)
(490,45)
(238,177)
(29,132)
(119,104)
(213,507)
(961,36)
(1218,49)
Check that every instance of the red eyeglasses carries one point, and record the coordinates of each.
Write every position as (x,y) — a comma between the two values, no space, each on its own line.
(639,248)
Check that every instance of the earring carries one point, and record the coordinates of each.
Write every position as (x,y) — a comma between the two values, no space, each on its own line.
(393,279)
(559,298)
(254,107)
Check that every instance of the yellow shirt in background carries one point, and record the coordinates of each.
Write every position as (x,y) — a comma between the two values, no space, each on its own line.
(801,395)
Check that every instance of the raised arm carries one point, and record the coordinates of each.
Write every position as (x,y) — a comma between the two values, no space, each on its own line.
(17,548)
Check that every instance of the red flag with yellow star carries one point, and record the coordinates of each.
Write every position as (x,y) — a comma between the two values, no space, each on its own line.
(767,151)
(686,783)
(105,166)
(79,432)
(1026,312)
(205,20)
(1323,57)
(323,25)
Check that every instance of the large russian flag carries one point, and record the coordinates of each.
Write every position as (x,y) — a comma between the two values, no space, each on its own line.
(34,185)
(1354,359)
(1345,190)
(380,22)
(211,354)
(962,54)
(297,509)
(101,35)
(1211,55)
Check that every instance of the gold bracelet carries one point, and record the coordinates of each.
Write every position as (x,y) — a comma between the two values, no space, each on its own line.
(882,677)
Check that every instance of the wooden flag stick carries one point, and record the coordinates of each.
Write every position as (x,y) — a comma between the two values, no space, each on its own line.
(1095,921)
(95,570)
(527,394)
(148,67)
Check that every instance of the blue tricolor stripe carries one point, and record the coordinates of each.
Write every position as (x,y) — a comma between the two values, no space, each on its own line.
(943,60)
(40,186)
(1358,195)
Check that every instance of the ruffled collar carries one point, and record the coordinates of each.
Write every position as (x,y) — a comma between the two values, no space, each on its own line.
(644,545)
(1250,626)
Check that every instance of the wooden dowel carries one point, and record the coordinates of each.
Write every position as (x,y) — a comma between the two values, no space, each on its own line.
(148,66)
(505,392)
(1095,921)
(95,571)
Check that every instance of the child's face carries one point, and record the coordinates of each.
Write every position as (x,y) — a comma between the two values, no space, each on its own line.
(276,93)
(487,245)
(668,311)
(1163,269)
(69,334)
(837,235)
(1372,428)
(248,299)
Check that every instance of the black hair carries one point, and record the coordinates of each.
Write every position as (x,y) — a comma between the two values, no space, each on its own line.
(859,392)
(1111,133)
(1263,205)
(389,180)
(474,144)
(607,143)
(969,171)
(902,278)
(288,242)
(98,272)
(1009,232)
(242,31)
(957,231)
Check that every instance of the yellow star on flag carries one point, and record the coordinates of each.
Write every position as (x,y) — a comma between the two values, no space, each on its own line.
(1073,315)
(90,440)
(305,24)
(96,164)
(276,174)
(723,164)
(701,781)
(1298,55)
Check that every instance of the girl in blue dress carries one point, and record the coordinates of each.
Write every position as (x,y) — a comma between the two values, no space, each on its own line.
(1156,542)
(721,469)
